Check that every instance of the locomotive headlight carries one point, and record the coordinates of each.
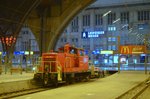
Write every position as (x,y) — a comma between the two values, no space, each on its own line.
(33,68)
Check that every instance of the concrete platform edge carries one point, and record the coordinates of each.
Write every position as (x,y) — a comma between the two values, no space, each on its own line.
(132,88)
(8,87)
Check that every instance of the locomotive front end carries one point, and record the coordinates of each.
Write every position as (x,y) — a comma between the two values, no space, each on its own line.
(50,69)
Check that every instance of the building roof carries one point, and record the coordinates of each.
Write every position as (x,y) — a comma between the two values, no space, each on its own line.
(104,3)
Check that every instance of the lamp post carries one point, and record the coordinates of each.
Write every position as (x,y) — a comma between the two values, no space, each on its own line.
(118,54)
(31,51)
(20,63)
(0,62)
(5,63)
(19,48)
(26,53)
(145,62)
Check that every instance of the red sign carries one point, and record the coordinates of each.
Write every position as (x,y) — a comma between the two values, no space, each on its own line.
(133,49)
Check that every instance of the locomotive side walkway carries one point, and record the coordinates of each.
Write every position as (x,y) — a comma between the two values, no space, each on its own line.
(106,88)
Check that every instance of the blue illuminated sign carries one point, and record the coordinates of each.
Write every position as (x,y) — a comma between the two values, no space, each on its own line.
(95,34)
(16,53)
(22,52)
(84,35)
(3,53)
(91,34)
(96,52)
(19,53)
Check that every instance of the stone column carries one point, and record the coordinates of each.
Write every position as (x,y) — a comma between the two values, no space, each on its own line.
(92,18)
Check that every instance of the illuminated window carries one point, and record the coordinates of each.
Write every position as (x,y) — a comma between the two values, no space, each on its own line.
(105,61)
(113,47)
(111,28)
(111,38)
(109,47)
(115,59)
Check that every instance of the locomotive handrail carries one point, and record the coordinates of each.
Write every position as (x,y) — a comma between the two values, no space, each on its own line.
(67,58)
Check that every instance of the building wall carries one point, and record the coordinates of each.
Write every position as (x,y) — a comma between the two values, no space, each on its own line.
(132,31)
(26,41)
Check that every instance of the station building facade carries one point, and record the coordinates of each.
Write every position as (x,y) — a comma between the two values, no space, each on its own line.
(98,28)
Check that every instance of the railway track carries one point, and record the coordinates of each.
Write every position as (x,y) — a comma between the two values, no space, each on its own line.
(145,94)
(22,92)
(136,92)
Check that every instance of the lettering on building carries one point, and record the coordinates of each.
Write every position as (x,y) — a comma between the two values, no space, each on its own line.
(125,50)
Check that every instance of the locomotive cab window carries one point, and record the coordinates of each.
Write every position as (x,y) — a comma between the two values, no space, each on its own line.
(81,53)
(61,50)
(73,51)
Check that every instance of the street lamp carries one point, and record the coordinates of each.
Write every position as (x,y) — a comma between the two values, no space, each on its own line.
(118,54)
(0,63)
(145,62)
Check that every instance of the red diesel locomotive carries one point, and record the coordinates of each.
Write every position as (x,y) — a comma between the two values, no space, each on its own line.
(67,65)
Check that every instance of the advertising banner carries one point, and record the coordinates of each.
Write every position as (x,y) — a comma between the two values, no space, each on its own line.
(132,49)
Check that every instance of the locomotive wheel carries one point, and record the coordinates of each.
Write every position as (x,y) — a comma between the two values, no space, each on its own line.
(87,78)
(45,79)
(55,84)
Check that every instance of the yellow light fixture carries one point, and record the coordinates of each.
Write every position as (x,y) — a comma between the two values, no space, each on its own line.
(31,52)
(26,52)
(107,52)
